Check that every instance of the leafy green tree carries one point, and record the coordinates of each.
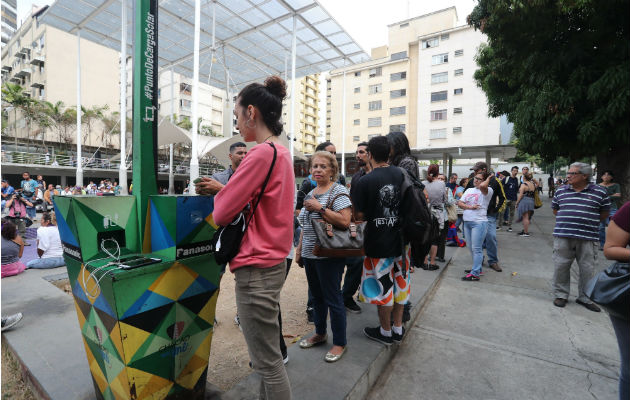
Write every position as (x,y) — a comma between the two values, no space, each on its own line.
(89,115)
(560,71)
(15,95)
(56,117)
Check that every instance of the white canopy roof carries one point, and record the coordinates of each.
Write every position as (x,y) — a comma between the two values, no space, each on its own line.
(253,37)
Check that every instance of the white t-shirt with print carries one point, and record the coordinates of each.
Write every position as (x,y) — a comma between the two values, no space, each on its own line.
(49,241)
(472,197)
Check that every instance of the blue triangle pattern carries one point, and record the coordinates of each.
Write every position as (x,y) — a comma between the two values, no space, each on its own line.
(64,230)
(78,292)
(148,301)
(192,211)
(199,285)
(160,238)
(103,305)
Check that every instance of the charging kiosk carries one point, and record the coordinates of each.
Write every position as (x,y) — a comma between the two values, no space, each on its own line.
(144,281)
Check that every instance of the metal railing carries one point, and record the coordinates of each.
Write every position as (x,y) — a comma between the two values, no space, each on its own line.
(58,160)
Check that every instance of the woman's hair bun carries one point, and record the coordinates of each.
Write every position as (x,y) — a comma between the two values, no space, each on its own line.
(276,86)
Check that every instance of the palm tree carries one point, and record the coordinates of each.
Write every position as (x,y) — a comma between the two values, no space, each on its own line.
(15,95)
(88,116)
(55,114)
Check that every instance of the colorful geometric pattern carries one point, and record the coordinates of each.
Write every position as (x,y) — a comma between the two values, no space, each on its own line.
(383,282)
(152,342)
(84,221)
(146,331)
(179,225)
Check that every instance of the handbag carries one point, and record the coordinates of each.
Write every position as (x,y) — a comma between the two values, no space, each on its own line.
(338,242)
(537,200)
(226,241)
(611,289)
(451,212)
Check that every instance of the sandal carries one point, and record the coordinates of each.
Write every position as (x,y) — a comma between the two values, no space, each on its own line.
(308,343)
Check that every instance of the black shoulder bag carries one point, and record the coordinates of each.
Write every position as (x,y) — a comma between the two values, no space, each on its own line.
(226,241)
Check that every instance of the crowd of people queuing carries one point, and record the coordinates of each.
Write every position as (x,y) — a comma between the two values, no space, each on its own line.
(281,230)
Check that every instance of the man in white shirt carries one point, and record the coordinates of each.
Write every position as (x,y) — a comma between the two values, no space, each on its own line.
(48,245)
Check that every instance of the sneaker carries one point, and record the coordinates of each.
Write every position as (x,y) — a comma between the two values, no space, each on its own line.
(352,306)
(10,321)
(396,337)
(496,267)
(440,259)
(469,270)
(375,334)
(285,358)
(309,316)
(523,234)
(237,322)
(470,277)
(510,229)
(498,228)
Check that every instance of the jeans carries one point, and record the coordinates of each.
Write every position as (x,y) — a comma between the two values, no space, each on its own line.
(602,228)
(565,250)
(324,280)
(460,221)
(622,331)
(257,298)
(352,280)
(31,211)
(475,235)
(490,242)
(46,263)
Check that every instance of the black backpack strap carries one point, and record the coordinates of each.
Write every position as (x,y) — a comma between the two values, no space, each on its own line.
(262,190)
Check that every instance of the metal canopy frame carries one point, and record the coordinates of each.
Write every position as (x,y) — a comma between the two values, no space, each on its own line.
(252,37)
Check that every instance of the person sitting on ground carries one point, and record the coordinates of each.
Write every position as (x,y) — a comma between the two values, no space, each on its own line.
(616,249)
(17,206)
(12,249)
(48,245)
(525,203)
(475,202)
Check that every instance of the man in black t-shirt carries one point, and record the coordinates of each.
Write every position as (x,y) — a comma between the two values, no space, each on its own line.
(385,280)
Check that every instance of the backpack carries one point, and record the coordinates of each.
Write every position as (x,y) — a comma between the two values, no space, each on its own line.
(418,225)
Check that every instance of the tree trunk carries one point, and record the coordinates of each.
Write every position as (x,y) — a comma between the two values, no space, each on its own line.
(616,160)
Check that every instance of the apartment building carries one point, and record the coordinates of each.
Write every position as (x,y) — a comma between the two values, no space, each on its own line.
(420,83)
(9,19)
(306,113)
(43,60)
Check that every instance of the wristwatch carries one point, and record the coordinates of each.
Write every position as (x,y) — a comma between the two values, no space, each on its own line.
(322,210)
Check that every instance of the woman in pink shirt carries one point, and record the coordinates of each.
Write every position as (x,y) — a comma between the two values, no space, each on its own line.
(259,267)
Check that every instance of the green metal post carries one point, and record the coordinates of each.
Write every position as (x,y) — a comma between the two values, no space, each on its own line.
(145,111)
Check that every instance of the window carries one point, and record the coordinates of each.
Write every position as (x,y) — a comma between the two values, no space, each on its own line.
(458,91)
(437,133)
(397,111)
(457,110)
(399,56)
(438,115)
(439,59)
(459,72)
(356,122)
(394,94)
(185,89)
(373,135)
(406,24)
(357,106)
(185,104)
(358,73)
(440,77)
(373,89)
(375,105)
(159,92)
(373,122)
(374,72)
(439,96)
(457,129)
(355,138)
(357,90)
(398,76)
(217,99)
(428,43)
(445,36)
(459,53)
(41,68)
(397,128)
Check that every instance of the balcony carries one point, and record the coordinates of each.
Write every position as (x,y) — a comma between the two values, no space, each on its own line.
(23,72)
(7,68)
(38,60)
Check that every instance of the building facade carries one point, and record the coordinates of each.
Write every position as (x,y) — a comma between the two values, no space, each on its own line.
(9,20)
(421,84)
(306,113)
(43,60)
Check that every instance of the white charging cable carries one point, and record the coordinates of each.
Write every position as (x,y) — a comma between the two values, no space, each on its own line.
(96,290)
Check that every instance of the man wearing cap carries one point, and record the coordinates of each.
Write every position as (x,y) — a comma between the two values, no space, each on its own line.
(496,201)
